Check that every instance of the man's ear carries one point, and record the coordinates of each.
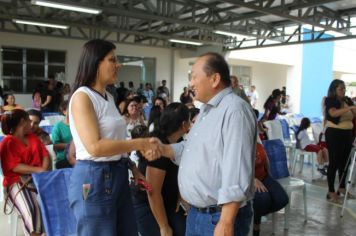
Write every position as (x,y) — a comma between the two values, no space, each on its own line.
(216,80)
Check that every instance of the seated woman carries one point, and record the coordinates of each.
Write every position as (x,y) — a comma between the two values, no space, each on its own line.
(132,116)
(162,174)
(22,154)
(303,142)
(61,137)
(35,118)
(9,103)
(270,195)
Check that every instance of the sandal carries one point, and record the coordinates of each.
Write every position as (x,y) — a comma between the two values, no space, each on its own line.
(333,199)
(349,195)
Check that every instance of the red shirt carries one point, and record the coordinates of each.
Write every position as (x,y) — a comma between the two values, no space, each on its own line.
(261,162)
(14,152)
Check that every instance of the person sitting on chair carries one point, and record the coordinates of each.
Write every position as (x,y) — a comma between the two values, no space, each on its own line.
(22,153)
(306,144)
(270,195)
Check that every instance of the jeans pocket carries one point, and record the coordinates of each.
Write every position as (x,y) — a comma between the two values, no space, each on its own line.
(101,184)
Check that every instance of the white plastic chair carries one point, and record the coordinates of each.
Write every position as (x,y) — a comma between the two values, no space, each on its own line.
(300,154)
(279,170)
(52,155)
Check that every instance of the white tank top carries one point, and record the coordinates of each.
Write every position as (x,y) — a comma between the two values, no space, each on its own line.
(111,124)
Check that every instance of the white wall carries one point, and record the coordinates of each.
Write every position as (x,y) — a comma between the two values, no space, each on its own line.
(265,76)
(73,49)
(344,56)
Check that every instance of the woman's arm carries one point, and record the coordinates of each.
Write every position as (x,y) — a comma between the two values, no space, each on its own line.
(46,163)
(86,124)
(71,154)
(156,177)
(334,112)
(59,146)
(48,100)
(24,169)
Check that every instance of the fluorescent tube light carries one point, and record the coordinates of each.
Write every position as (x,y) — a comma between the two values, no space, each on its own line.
(185,42)
(26,22)
(238,36)
(66,7)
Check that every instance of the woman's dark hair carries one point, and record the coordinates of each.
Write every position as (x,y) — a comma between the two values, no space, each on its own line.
(333,86)
(11,119)
(216,63)
(6,97)
(304,124)
(34,92)
(94,51)
(193,112)
(34,112)
(161,99)
(139,131)
(63,106)
(155,115)
(127,103)
(171,119)
(275,94)
(137,99)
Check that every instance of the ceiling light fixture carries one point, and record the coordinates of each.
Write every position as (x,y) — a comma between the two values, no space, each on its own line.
(66,7)
(238,36)
(185,42)
(35,23)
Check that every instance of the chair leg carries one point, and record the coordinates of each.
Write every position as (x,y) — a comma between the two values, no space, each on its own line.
(287,211)
(312,161)
(14,221)
(301,163)
(274,222)
(294,162)
(305,203)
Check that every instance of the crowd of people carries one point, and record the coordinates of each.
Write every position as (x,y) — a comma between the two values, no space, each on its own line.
(144,164)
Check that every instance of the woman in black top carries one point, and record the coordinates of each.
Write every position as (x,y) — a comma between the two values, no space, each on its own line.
(162,174)
(339,113)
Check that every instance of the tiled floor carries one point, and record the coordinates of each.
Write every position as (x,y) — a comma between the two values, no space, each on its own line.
(323,217)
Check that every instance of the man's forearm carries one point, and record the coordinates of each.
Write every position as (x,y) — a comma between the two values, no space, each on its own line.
(229,212)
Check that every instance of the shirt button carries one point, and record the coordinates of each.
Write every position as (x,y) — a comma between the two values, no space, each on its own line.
(187,150)
(195,134)
(108,191)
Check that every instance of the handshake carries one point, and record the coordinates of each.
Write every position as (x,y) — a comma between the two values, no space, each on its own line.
(152,149)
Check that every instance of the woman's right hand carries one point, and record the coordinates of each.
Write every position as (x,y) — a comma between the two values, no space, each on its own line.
(260,186)
(166,231)
(151,148)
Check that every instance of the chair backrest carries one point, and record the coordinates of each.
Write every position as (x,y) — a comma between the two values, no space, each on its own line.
(52,187)
(277,158)
(285,129)
(274,129)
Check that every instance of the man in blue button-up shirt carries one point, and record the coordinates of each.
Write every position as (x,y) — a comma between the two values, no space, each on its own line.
(216,173)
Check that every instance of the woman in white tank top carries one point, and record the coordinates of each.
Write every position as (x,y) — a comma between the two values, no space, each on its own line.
(99,193)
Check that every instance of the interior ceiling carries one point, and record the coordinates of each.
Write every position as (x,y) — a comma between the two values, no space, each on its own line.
(259,23)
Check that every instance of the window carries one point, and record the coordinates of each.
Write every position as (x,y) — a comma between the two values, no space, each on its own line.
(24,68)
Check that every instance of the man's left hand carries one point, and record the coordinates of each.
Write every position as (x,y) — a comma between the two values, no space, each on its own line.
(224,229)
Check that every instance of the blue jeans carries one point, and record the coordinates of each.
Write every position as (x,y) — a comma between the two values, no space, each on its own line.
(203,224)
(147,224)
(267,202)
(106,209)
